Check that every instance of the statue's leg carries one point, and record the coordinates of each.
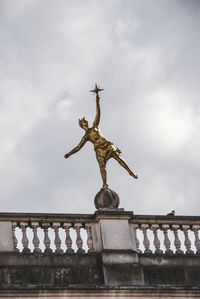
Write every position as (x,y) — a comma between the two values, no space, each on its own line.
(123,163)
(102,166)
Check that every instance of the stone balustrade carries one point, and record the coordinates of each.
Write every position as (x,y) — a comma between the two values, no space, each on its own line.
(108,249)
(58,237)
(169,235)
(80,233)
(50,233)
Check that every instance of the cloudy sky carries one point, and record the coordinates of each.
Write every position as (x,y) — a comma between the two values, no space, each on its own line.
(145,54)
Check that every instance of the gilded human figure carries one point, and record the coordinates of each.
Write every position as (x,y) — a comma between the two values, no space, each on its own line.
(104,148)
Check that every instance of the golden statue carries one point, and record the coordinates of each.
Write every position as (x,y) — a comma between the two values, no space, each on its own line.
(104,149)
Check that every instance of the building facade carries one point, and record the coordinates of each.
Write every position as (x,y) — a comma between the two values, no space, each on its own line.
(108,254)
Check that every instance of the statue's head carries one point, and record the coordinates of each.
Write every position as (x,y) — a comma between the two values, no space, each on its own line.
(83,123)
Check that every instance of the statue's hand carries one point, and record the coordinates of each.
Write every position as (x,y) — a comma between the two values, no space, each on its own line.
(66,156)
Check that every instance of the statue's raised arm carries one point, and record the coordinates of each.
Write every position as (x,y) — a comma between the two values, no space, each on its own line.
(98,110)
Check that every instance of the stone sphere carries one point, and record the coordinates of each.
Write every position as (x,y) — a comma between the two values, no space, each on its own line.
(106,199)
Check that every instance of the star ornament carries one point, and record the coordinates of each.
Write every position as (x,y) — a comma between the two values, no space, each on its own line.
(96,90)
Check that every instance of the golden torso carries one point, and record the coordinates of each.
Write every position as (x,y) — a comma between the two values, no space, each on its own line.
(95,136)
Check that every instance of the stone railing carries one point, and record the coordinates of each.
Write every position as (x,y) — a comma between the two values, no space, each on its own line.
(169,235)
(109,249)
(86,233)
(48,233)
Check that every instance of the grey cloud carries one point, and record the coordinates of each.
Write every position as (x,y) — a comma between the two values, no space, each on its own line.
(145,54)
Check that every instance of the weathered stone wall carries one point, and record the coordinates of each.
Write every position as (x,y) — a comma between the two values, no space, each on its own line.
(41,271)
(171,270)
(19,270)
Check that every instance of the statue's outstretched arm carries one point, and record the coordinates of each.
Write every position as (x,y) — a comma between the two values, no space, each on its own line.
(77,148)
(98,112)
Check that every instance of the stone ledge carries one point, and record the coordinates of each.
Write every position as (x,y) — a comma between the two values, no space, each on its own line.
(104,292)
(166,260)
(113,215)
(50,259)
(92,287)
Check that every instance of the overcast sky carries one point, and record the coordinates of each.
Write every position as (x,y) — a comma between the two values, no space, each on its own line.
(146,56)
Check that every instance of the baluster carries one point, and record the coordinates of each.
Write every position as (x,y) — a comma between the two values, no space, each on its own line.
(137,242)
(177,242)
(15,241)
(47,241)
(187,241)
(195,229)
(146,241)
(156,241)
(36,241)
(68,240)
(89,238)
(25,240)
(57,240)
(167,241)
(79,241)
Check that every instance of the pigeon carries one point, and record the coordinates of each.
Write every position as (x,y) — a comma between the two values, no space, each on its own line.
(172,213)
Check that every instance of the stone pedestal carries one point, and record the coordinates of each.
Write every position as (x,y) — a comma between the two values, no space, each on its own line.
(6,237)
(118,247)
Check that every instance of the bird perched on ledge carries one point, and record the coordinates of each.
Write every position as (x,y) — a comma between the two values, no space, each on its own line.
(172,213)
